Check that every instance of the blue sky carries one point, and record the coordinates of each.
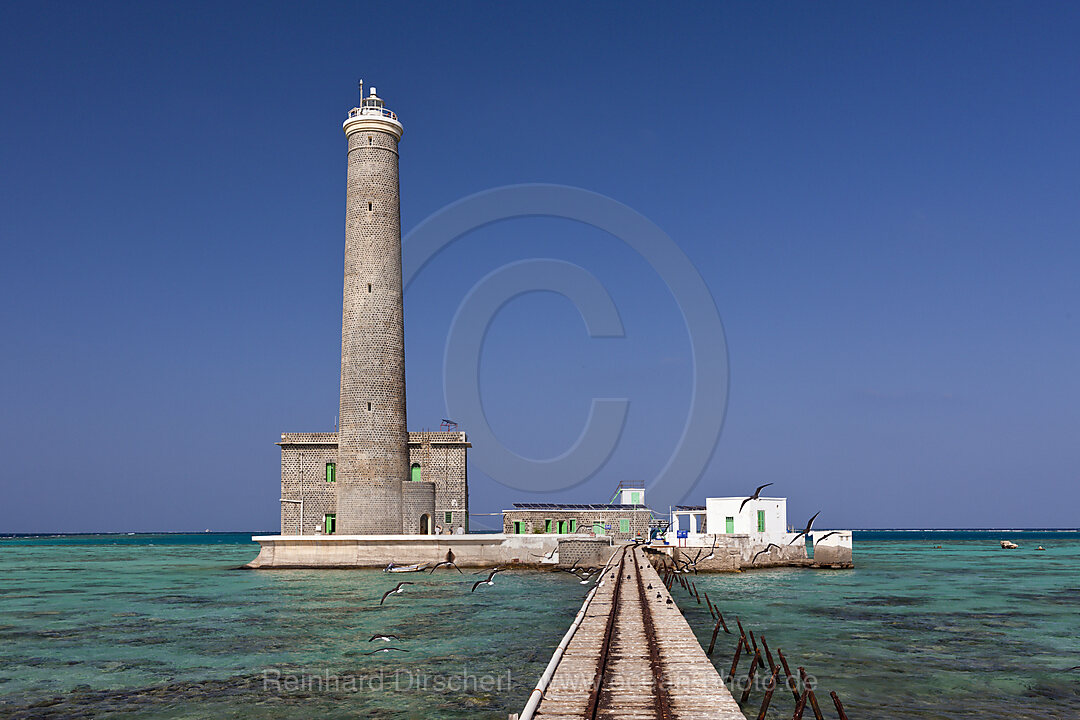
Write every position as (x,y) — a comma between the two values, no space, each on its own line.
(881,197)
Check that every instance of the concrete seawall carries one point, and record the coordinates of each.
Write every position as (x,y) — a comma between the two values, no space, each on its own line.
(377,551)
(537,550)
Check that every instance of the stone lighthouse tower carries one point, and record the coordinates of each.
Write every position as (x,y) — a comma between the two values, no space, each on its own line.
(373,452)
(373,477)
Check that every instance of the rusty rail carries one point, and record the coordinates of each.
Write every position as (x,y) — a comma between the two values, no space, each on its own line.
(593,705)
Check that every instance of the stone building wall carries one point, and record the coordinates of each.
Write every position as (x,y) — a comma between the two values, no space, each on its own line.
(584,551)
(441,456)
(303,461)
(443,463)
(417,500)
(533,521)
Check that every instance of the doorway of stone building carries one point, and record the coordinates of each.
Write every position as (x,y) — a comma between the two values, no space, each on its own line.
(425,524)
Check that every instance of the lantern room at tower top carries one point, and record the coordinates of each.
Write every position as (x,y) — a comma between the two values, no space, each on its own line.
(372,114)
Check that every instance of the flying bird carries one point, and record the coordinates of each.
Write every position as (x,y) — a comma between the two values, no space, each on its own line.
(685,566)
(445,562)
(712,550)
(770,545)
(384,638)
(755,496)
(489,581)
(809,525)
(396,591)
(385,649)
(831,532)
(583,575)
(497,568)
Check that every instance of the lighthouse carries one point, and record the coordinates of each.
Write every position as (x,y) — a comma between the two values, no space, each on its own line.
(373,452)
(372,476)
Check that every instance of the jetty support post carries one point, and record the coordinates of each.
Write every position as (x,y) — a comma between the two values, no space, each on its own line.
(768,655)
(789,679)
(839,705)
(810,695)
(750,676)
(735,662)
(712,642)
(770,687)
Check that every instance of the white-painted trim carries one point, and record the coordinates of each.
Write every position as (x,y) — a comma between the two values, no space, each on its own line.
(373,123)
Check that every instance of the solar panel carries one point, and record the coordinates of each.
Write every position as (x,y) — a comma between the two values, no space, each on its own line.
(582,506)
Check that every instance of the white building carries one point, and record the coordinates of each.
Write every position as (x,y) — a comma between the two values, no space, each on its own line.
(629,495)
(763,521)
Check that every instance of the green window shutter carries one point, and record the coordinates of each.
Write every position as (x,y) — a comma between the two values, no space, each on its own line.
(414,473)
(573,526)
(729,525)
(547,525)
(624,525)
(635,498)
(761,521)
(331,472)
(598,528)
(449,518)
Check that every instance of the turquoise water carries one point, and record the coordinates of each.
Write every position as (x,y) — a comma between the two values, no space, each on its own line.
(165,626)
(965,631)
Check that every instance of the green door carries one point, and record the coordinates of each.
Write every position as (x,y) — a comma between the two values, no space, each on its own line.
(729,525)
(761,521)
(562,527)
(517,527)
(330,521)
(635,498)
(414,473)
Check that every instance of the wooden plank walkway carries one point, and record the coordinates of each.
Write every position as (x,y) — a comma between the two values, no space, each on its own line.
(634,657)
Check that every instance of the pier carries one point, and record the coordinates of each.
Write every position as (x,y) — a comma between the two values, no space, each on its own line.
(630,654)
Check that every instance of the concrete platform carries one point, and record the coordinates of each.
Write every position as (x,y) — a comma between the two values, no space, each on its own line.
(377,551)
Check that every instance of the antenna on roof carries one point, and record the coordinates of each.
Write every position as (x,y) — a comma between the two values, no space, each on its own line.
(361,88)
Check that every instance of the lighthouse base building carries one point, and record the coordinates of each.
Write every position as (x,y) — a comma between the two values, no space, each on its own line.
(435,497)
